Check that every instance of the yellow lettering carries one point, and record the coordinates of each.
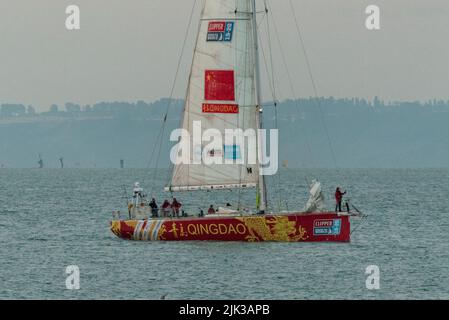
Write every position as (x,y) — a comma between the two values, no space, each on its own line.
(215,230)
(241,228)
(231,229)
(191,228)
(203,229)
(222,228)
(174,230)
(183,234)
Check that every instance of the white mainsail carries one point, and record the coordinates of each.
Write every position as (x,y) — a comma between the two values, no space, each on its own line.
(221,95)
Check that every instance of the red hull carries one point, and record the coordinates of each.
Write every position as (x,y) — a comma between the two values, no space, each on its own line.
(294,227)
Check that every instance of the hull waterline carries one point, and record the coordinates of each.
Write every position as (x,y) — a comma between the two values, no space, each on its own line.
(292,227)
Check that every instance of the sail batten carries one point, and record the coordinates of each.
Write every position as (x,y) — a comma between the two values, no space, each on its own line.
(212,187)
(225,18)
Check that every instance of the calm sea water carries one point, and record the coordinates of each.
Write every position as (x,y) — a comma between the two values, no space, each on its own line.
(51,218)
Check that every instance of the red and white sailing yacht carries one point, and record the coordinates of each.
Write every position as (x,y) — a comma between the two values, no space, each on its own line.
(224,94)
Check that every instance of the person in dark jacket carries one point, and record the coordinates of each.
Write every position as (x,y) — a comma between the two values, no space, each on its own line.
(154,208)
(338,199)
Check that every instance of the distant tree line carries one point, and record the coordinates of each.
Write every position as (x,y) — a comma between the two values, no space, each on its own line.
(157,109)
(102,109)
(313,132)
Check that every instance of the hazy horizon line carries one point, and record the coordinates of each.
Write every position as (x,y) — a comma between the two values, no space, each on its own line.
(41,109)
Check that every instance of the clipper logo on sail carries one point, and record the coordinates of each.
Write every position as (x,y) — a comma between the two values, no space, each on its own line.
(220,31)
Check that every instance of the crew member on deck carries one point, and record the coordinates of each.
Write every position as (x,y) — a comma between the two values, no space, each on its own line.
(211,209)
(153,206)
(137,191)
(138,196)
(338,199)
(175,207)
(166,208)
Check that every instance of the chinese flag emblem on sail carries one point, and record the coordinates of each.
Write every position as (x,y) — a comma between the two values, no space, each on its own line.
(219,85)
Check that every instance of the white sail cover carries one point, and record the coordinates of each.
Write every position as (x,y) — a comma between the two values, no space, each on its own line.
(221,94)
(316,198)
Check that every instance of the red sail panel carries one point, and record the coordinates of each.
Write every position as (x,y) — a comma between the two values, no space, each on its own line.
(219,85)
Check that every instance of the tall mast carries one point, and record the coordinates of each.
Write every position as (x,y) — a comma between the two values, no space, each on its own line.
(262,190)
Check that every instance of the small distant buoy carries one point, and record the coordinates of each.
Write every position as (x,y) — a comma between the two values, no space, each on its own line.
(163,296)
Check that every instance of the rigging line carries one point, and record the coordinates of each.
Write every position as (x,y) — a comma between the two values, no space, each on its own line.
(187,104)
(362,220)
(278,171)
(255,92)
(153,153)
(273,79)
(290,81)
(173,89)
(309,70)
(271,85)
(267,71)
(125,195)
(271,52)
(171,170)
(239,191)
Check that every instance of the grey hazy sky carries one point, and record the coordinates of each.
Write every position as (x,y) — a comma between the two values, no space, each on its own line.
(128,50)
